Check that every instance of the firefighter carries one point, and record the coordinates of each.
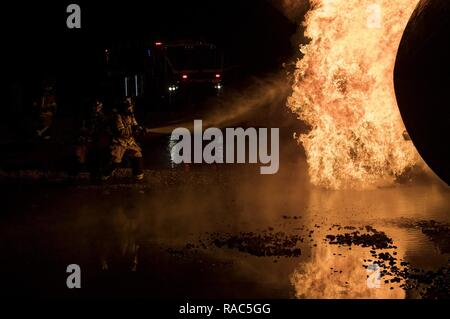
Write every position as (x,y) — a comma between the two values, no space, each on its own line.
(124,130)
(93,142)
(46,108)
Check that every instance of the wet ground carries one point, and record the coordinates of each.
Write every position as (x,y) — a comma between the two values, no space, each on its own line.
(226,231)
(211,231)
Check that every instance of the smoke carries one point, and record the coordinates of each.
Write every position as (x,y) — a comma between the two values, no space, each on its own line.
(295,11)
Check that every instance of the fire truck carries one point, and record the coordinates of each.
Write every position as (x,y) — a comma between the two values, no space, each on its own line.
(165,74)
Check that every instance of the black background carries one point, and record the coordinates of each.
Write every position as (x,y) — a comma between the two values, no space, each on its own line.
(38,43)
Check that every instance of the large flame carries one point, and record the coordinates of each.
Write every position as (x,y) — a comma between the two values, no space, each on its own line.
(344,90)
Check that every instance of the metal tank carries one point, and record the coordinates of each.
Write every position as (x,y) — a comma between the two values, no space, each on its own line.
(422,83)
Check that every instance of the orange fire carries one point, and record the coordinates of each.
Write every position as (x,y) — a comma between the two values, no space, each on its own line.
(343,89)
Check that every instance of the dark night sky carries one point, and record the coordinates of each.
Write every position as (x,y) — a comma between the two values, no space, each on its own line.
(252,33)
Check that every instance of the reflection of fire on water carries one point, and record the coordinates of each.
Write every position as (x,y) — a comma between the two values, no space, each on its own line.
(330,275)
(344,90)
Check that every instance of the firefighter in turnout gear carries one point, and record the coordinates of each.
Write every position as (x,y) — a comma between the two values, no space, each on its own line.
(124,129)
(91,148)
(46,109)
